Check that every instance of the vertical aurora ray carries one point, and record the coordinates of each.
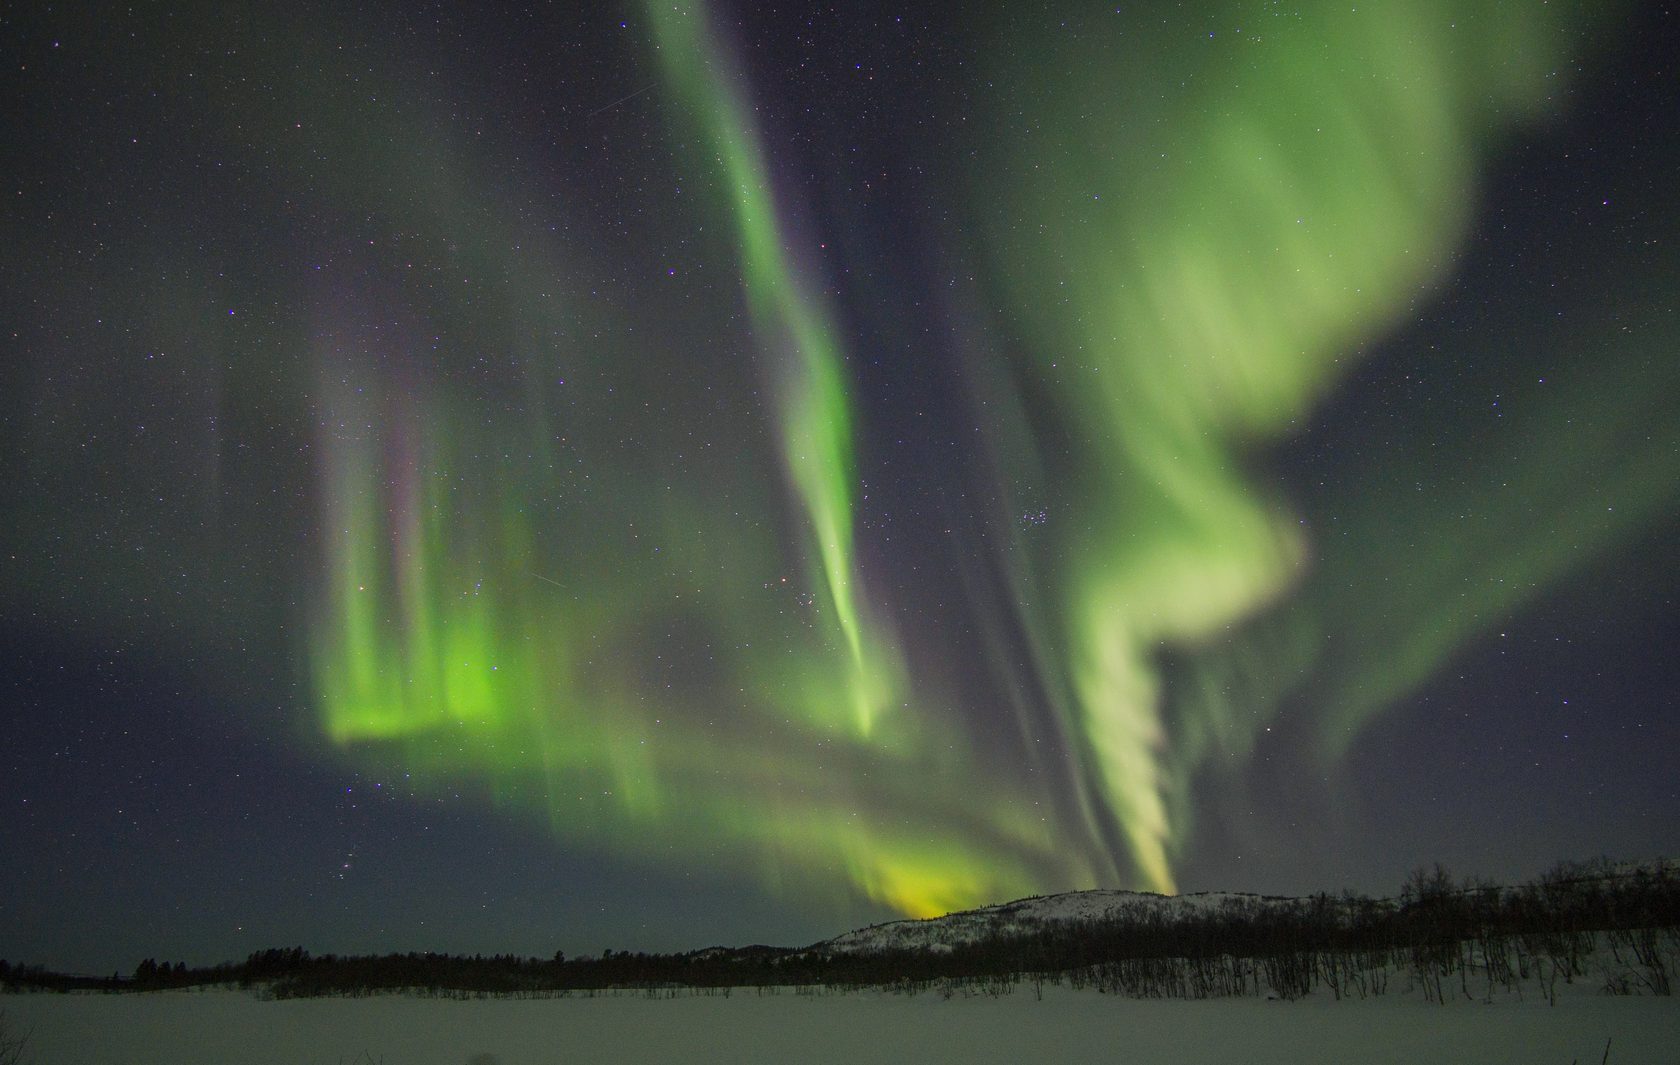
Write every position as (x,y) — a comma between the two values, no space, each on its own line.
(797,331)
(436,660)
(580,608)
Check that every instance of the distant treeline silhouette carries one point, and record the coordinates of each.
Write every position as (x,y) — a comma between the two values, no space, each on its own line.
(1620,928)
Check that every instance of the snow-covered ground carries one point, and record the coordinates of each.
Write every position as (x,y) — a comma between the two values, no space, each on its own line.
(230,1028)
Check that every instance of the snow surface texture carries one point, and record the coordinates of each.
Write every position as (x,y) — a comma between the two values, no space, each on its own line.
(231,1028)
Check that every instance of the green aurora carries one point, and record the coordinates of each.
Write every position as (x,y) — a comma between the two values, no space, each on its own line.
(1197,269)
(645,618)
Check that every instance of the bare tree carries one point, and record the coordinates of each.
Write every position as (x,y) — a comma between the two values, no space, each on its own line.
(12,1045)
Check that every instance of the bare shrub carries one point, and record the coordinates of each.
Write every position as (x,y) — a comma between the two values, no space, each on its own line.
(12,1044)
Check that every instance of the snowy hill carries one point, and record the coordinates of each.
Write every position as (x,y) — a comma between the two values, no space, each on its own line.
(1032,914)
(1038,912)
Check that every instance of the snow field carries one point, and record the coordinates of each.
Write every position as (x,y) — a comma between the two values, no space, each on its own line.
(233,1028)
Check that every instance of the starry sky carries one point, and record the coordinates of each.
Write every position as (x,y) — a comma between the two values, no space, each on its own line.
(507,478)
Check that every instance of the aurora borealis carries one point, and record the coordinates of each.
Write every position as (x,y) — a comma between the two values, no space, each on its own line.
(825,465)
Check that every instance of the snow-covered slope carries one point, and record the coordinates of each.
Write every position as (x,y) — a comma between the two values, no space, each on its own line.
(1073,907)
(1030,914)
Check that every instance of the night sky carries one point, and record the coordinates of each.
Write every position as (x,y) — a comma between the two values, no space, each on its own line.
(490,478)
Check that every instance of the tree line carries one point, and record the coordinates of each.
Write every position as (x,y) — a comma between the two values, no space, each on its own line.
(1443,937)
